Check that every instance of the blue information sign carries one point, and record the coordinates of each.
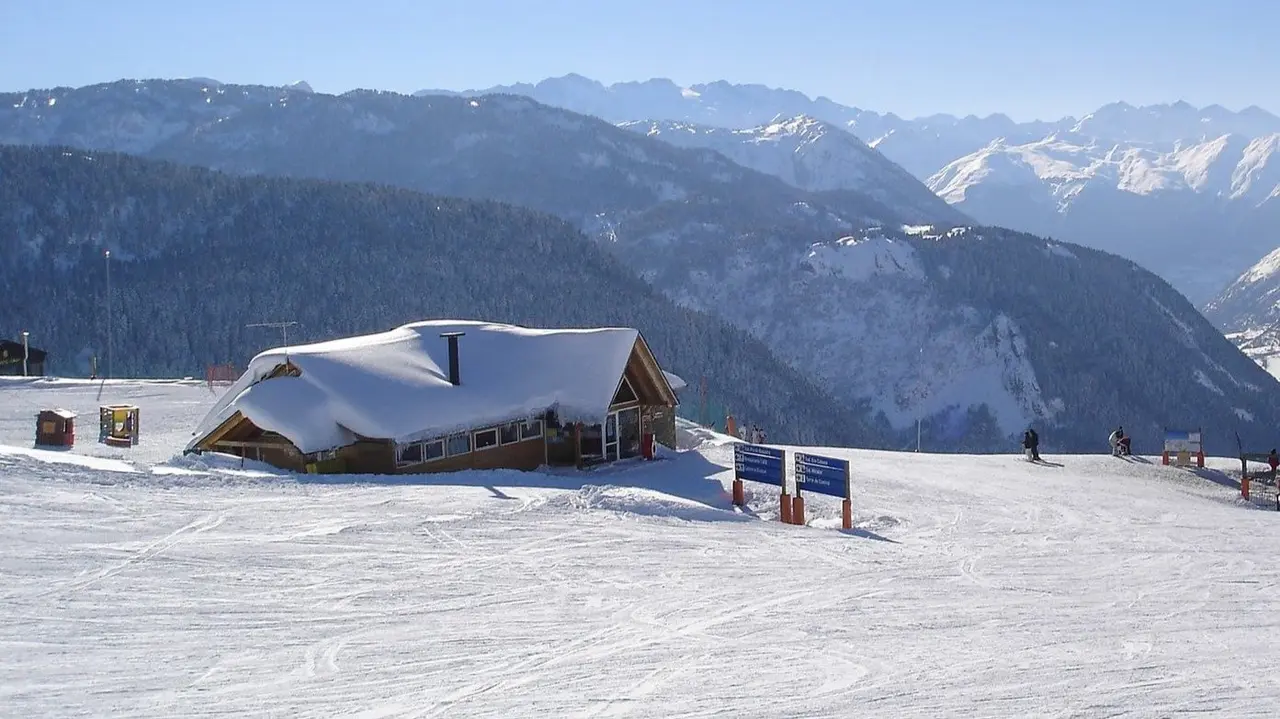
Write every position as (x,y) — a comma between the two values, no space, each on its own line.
(823,475)
(754,463)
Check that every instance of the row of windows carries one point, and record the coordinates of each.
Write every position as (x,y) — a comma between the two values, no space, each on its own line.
(428,450)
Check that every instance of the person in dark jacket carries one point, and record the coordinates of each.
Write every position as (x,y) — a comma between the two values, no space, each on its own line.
(1031,441)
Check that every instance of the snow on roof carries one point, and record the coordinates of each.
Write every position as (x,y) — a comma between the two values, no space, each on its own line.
(395,385)
(293,408)
(675,381)
(63,413)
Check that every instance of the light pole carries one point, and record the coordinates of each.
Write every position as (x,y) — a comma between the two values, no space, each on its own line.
(26,352)
(108,314)
(920,399)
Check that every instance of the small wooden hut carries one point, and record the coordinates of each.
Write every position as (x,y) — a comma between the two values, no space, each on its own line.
(56,428)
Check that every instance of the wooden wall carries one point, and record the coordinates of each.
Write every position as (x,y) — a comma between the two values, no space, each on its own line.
(661,421)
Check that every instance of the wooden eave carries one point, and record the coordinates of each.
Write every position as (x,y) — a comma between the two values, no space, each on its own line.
(650,374)
(222,430)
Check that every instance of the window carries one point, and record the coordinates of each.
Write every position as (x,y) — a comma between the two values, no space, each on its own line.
(459,444)
(511,433)
(531,429)
(486,438)
(407,454)
(414,452)
(625,393)
(325,455)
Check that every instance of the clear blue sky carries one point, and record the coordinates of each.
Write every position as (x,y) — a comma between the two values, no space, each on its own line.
(1027,58)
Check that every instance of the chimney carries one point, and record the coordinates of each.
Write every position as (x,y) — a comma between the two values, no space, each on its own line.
(454,379)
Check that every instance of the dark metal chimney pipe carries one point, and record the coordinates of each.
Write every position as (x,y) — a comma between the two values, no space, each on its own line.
(454,378)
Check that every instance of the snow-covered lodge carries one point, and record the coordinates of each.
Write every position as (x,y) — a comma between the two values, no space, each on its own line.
(447,395)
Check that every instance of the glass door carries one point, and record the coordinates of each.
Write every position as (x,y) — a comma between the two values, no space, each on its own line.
(629,433)
(611,437)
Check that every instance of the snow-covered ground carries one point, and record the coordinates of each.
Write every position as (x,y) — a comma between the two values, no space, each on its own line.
(134,583)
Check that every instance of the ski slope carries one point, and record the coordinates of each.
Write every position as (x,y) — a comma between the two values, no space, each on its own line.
(137,583)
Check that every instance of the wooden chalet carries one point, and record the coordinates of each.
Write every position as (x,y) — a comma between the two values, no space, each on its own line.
(444,396)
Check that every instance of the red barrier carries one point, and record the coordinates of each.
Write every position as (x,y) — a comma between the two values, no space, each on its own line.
(797,510)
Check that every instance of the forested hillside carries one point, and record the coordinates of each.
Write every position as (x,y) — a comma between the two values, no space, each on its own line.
(979,331)
(197,255)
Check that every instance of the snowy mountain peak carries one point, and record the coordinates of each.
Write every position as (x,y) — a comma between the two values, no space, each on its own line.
(798,125)
(1249,311)
(1266,268)
(1108,193)
(859,258)
(810,154)
(300,86)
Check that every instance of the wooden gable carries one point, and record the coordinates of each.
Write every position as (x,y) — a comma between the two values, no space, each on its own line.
(644,378)
(626,394)
(237,428)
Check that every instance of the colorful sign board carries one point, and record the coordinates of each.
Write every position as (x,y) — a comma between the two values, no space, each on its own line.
(823,475)
(756,463)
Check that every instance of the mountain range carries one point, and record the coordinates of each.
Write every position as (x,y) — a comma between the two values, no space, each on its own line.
(1196,212)
(508,148)
(874,294)
(922,145)
(1191,193)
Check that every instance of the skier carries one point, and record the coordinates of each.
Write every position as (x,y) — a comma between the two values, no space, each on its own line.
(1031,441)
(1273,459)
(1119,442)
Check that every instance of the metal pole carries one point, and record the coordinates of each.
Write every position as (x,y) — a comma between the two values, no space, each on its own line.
(920,399)
(284,329)
(108,314)
(26,352)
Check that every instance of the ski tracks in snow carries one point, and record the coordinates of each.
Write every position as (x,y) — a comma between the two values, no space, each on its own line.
(147,553)
(996,594)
